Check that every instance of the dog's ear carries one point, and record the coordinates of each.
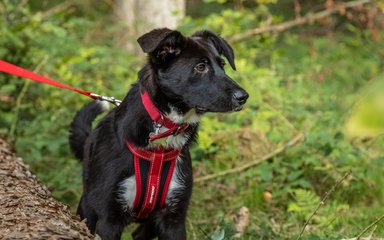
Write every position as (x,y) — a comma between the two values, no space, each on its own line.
(220,44)
(162,43)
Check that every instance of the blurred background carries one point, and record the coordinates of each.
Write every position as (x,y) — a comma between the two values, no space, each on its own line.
(315,74)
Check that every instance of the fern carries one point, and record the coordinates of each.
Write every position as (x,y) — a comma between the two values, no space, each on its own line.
(306,202)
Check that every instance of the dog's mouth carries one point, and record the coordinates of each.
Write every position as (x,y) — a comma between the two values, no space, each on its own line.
(238,108)
(201,110)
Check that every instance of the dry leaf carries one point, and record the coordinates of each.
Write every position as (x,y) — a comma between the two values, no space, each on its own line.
(241,220)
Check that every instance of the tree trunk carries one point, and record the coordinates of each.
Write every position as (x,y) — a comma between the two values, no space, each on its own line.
(27,209)
(140,16)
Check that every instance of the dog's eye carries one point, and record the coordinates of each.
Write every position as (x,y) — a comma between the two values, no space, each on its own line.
(201,67)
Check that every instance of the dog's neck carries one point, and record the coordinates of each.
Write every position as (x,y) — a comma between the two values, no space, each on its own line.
(173,108)
(181,139)
(137,124)
(179,117)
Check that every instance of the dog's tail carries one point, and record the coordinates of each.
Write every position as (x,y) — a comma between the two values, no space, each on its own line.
(81,126)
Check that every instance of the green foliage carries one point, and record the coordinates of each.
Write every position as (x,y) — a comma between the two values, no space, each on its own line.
(299,81)
(305,202)
(296,83)
(367,117)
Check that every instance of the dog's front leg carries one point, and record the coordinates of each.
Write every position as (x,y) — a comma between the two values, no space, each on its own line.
(172,228)
(145,231)
(175,232)
(108,230)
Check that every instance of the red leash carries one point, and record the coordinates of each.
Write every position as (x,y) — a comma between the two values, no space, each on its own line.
(21,72)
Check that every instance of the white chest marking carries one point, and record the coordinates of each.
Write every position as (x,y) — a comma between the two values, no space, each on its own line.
(176,185)
(181,139)
(127,192)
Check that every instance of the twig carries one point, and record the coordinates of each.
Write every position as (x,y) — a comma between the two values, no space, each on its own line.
(370,225)
(20,97)
(308,18)
(291,143)
(59,8)
(322,202)
(206,236)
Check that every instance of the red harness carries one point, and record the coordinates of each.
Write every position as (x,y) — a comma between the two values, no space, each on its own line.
(154,168)
(160,120)
(153,171)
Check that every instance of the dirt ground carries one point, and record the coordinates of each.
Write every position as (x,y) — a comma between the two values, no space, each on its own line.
(27,209)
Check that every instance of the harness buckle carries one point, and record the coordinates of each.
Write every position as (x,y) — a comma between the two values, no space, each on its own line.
(157,126)
(112,100)
(180,129)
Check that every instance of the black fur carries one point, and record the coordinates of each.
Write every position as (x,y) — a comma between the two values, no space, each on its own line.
(83,127)
(183,73)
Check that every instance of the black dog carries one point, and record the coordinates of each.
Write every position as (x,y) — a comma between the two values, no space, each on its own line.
(183,78)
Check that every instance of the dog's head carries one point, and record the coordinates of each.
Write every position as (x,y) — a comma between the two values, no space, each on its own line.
(190,70)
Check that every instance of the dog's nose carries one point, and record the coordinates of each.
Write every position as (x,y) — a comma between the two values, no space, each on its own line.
(240,96)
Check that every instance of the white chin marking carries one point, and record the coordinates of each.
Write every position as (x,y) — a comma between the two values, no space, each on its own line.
(190,117)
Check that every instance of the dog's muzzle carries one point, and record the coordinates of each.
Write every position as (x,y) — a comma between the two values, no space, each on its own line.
(239,98)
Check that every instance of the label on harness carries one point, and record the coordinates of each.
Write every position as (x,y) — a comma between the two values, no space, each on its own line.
(153,170)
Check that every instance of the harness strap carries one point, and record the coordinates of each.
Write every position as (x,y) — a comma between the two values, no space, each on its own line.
(138,179)
(152,190)
(167,183)
(160,120)
(155,113)
(172,131)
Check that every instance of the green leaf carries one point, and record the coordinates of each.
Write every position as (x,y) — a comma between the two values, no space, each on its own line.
(218,235)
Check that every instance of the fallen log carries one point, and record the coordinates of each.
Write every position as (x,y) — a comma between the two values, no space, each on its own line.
(27,208)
